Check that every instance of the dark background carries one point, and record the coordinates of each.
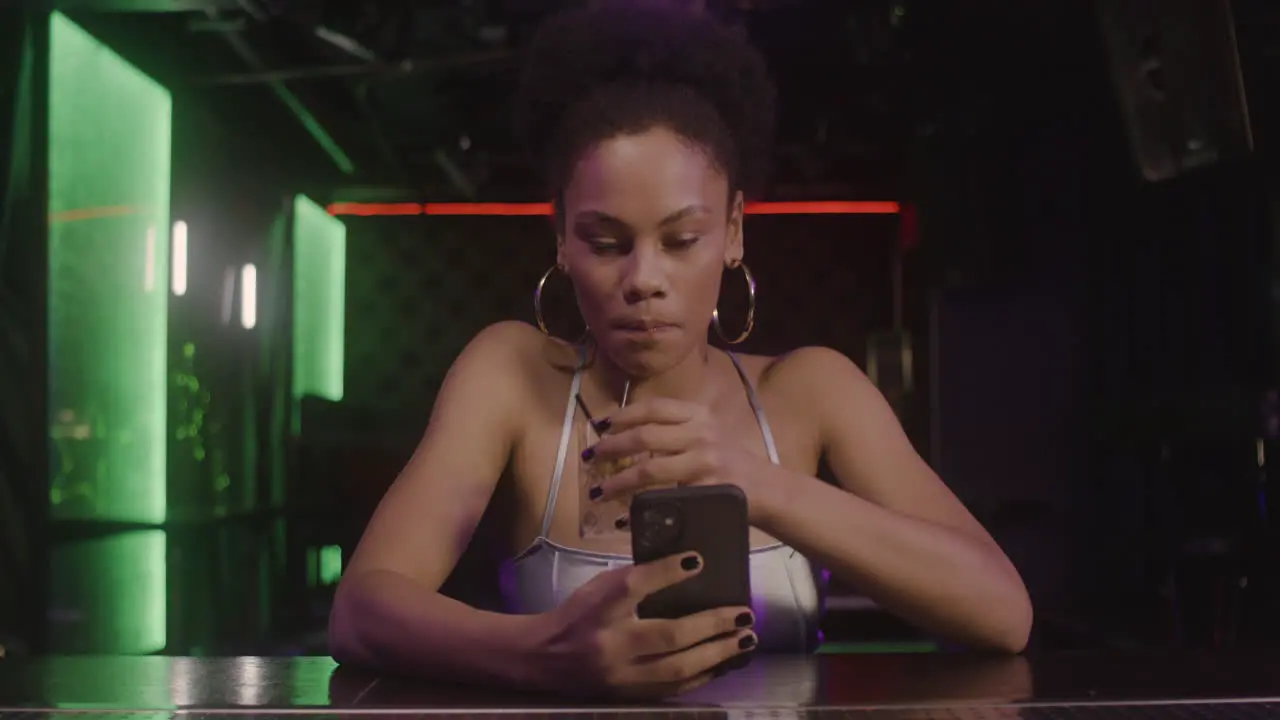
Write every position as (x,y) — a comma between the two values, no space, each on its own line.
(1092,350)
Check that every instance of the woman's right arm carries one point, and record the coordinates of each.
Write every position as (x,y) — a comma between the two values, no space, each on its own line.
(388,614)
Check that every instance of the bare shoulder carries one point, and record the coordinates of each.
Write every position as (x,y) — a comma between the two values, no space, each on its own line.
(806,375)
(802,392)
(503,341)
(517,358)
(517,346)
(477,419)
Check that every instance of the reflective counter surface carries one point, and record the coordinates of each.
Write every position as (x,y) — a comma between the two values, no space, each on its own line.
(907,685)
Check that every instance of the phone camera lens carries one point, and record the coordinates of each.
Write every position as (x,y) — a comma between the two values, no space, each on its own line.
(662,527)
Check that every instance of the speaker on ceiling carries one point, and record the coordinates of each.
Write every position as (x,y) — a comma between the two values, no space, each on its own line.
(1176,73)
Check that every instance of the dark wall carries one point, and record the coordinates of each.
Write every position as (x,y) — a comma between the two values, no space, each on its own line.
(1103,350)
(1182,358)
(419,288)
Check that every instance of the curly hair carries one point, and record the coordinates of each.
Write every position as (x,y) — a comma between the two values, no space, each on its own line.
(626,68)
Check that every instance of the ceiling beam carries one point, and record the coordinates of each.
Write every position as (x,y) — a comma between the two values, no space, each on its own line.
(241,47)
(359,70)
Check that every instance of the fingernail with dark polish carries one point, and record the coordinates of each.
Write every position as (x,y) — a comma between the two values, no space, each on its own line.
(743,620)
(690,563)
(602,424)
(595,492)
(621,522)
(747,642)
(588,453)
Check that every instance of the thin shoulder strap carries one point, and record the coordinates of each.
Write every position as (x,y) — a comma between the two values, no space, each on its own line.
(758,409)
(566,431)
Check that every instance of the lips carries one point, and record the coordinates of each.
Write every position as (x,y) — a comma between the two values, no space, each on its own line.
(643,325)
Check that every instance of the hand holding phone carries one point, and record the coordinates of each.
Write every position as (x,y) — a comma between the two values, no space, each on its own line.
(597,645)
(710,520)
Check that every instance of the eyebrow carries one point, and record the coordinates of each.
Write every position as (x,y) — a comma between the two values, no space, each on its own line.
(604,218)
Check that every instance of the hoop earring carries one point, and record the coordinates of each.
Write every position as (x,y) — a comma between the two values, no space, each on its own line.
(537,304)
(751,310)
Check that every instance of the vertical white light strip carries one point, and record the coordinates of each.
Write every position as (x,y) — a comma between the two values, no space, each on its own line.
(180,258)
(248,296)
(149,263)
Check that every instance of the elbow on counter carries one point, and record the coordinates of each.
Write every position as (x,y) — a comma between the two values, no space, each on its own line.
(1014,640)
(1021,635)
(1011,615)
(998,620)
(1013,631)
(345,645)
(1024,619)
(1006,633)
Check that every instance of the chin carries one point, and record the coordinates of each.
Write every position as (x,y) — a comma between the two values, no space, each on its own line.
(641,358)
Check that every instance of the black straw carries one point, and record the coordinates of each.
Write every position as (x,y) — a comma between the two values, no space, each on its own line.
(582,405)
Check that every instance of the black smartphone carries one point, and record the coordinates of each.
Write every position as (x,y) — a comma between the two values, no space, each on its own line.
(710,520)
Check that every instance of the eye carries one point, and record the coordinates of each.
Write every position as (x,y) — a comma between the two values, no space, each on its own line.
(602,245)
(684,242)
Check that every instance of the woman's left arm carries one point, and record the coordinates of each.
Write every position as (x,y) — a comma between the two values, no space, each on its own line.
(892,529)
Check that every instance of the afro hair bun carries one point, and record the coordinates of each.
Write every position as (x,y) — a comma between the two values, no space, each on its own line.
(575,54)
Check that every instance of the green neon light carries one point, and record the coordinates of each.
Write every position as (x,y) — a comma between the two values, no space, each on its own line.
(109,148)
(114,588)
(109,168)
(324,566)
(319,301)
(874,648)
(330,565)
(310,685)
(158,684)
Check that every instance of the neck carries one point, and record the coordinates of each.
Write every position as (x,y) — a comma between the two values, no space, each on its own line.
(686,381)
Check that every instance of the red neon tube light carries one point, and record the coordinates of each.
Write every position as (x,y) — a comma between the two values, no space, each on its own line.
(833,207)
(93,213)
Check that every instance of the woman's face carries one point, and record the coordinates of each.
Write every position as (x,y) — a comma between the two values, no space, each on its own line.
(648,229)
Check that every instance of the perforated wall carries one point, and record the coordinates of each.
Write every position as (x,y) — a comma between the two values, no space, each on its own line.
(419,288)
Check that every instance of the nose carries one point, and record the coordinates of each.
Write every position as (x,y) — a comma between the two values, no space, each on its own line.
(645,275)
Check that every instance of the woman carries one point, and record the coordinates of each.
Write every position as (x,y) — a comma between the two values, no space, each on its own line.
(652,125)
